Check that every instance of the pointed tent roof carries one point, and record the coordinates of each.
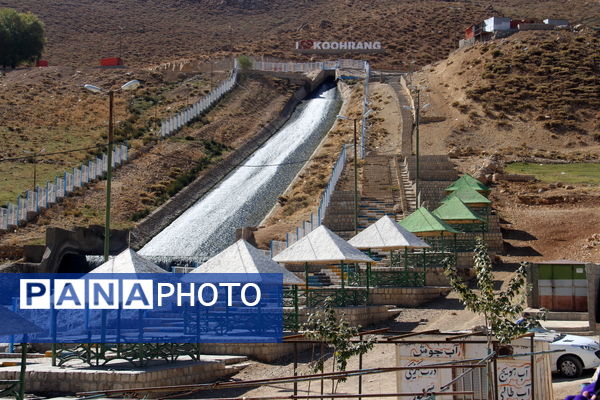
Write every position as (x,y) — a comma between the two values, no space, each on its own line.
(467,180)
(243,258)
(321,246)
(455,210)
(422,221)
(386,234)
(128,262)
(468,196)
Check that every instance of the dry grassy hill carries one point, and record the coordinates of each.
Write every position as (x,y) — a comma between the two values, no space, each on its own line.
(153,31)
(534,93)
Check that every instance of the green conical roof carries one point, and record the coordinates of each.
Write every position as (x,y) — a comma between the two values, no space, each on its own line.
(422,221)
(468,196)
(467,181)
(455,210)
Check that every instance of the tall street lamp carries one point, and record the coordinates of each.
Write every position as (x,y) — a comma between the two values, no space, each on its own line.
(131,85)
(418,109)
(355,120)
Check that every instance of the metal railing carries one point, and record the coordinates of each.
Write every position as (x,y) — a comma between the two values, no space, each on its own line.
(28,205)
(172,124)
(315,218)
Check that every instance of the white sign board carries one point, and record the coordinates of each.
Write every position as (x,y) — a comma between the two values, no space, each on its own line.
(425,380)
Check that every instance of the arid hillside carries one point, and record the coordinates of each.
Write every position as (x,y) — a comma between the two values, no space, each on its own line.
(532,94)
(413,32)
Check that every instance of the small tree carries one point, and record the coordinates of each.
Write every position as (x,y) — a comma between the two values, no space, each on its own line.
(324,326)
(500,309)
(21,37)
(244,63)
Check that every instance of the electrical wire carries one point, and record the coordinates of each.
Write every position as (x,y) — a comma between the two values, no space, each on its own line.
(40,155)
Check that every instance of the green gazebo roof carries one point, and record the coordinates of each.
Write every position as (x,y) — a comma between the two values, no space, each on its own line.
(455,210)
(423,221)
(468,196)
(467,181)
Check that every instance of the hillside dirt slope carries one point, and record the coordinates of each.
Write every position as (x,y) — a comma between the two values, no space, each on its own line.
(158,171)
(413,32)
(532,96)
(47,110)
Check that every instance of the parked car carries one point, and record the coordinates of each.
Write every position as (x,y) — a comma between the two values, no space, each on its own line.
(580,352)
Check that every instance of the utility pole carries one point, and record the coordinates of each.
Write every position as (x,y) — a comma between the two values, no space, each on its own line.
(417,116)
(355,180)
(34,170)
(108,175)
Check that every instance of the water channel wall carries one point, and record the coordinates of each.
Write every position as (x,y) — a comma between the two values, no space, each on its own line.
(174,207)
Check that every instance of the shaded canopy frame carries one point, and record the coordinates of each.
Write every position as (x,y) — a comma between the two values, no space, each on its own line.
(324,247)
(453,211)
(387,235)
(426,225)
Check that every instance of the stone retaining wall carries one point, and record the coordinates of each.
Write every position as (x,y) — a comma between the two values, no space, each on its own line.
(408,297)
(44,378)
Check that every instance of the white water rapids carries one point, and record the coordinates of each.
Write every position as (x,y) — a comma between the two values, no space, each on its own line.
(249,192)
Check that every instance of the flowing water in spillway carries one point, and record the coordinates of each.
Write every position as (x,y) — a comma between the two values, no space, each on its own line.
(249,192)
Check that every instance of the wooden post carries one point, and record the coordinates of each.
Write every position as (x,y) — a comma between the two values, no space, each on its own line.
(21,394)
(360,366)
(295,368)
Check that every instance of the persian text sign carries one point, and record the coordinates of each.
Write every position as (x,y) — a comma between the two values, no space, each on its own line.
(514,380)
(146,308)
(425,380)
(317,46)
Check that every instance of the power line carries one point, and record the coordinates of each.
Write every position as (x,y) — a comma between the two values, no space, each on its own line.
(40,155)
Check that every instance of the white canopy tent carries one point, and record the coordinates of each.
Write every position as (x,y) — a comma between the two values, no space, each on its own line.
(321,246)
(387,234)
(128,262)
(243,258)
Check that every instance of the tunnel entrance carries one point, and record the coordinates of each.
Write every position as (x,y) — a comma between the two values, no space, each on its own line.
(73,264)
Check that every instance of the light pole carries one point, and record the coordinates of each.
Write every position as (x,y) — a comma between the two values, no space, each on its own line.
(417,147)
(355,120)
(131,85)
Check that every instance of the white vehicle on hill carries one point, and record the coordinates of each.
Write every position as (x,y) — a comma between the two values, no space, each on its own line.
(580,352)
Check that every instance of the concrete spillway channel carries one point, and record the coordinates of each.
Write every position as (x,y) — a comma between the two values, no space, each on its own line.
(247,194)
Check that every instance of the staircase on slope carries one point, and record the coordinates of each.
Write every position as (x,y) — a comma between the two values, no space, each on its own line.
(408,188)
(377,197)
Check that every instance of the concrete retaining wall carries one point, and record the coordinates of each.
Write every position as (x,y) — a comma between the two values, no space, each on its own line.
(172,209)
(408,297)
(269,352)
(71,380)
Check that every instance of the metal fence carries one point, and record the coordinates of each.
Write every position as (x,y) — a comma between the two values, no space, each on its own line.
(31,202)
(28,205)
(293,67)
(315,218)
(171,125)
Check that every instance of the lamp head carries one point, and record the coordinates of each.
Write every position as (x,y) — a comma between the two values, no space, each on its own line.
(131,85)
(93,89)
